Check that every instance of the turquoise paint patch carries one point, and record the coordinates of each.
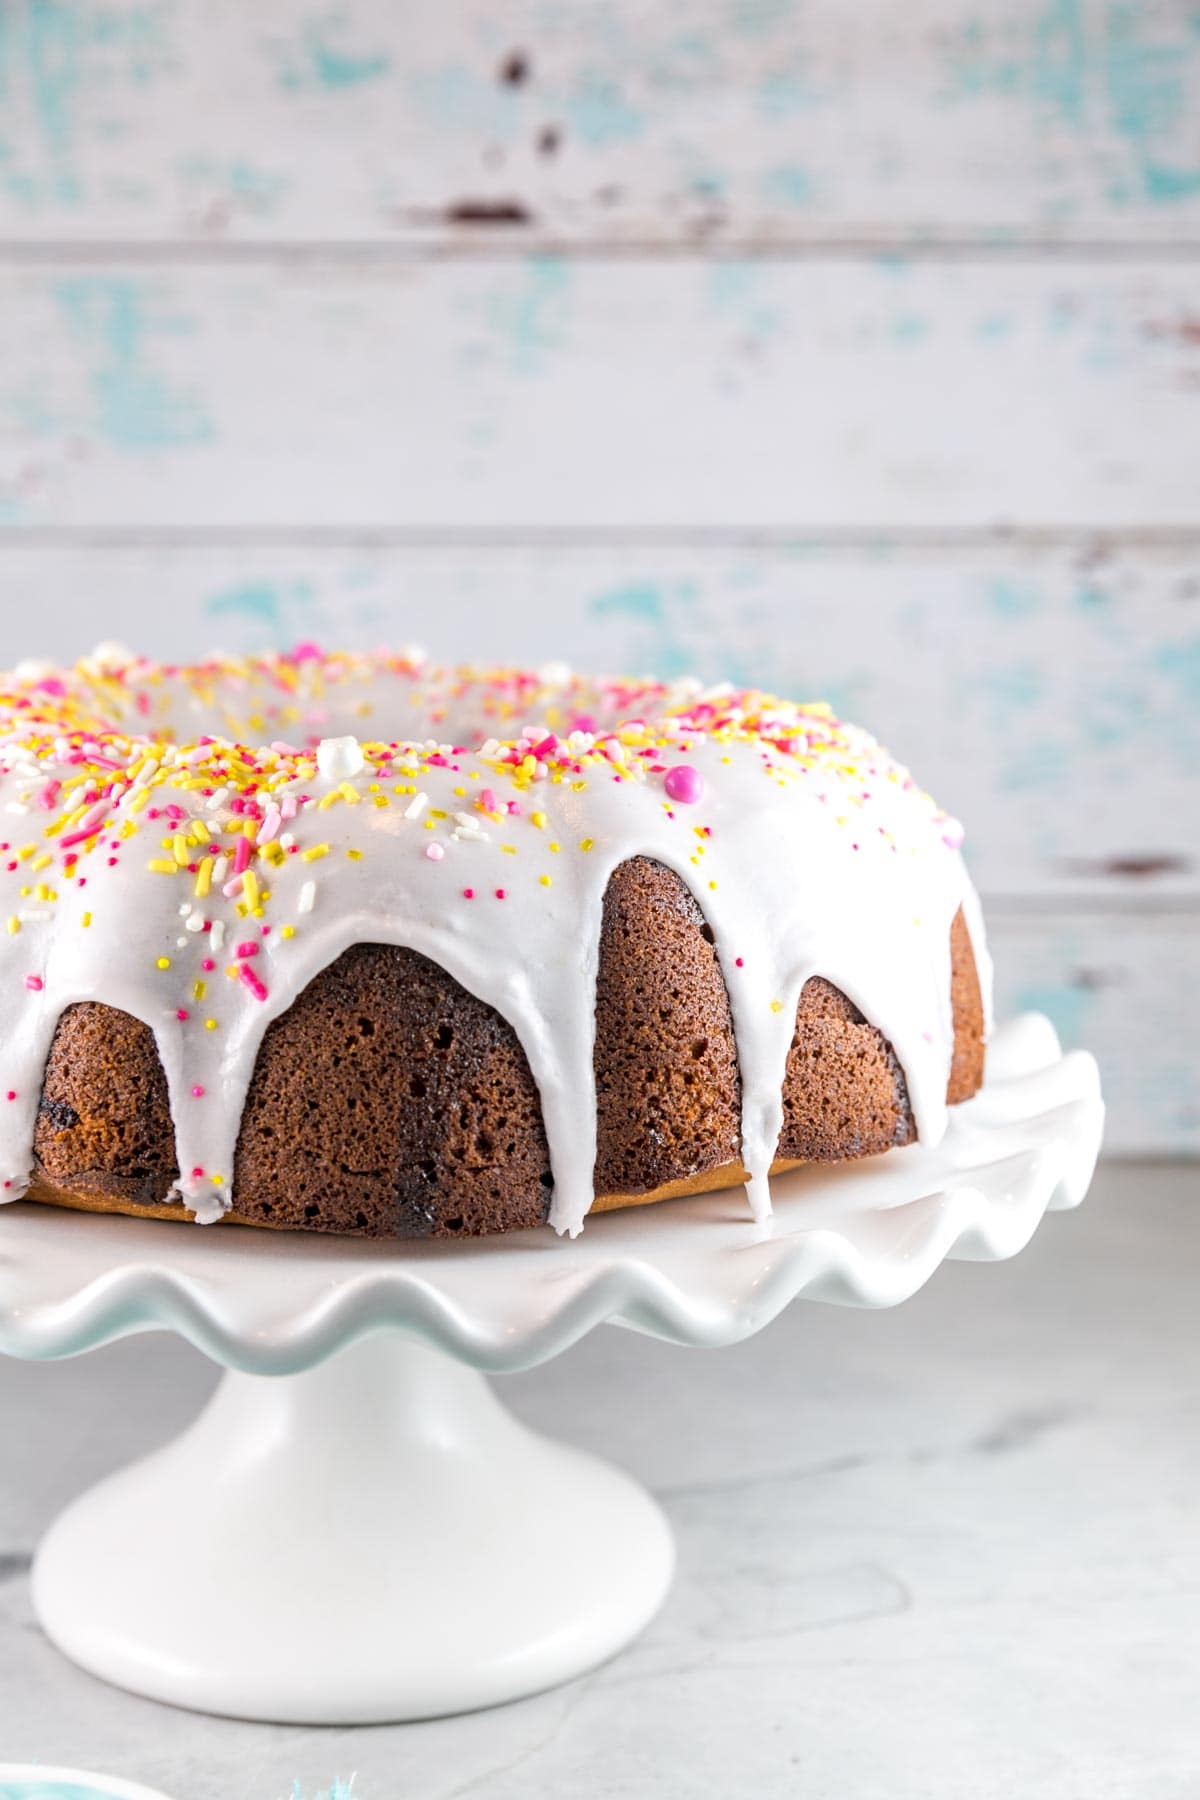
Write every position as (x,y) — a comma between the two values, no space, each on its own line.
(1034,764)
(40,53)
(531,315)
(597,111)
(788,183)
(1012,599)
(341,1790)
(1066,1004)
(264,613)
(245,187)
(56,57)
(1124,67)
(646,603)
(743,290)
(910,328)
(321,58)
(116,321)
(994,327)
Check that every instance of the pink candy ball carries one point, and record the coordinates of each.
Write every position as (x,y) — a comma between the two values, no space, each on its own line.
(684,784)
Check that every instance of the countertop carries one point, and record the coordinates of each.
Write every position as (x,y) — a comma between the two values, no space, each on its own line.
(949,1550)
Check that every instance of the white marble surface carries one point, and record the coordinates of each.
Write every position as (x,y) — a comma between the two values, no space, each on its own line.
(950,1550)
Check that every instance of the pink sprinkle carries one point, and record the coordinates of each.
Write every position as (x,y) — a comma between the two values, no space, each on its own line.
(34,983)
(684,784)
(52,685)
(241,856)
(740,961)
(547,746)
(252,982)
(247,949)
(208,965)
(197,1092)
(181,1013)
(487,799)
(500,894)
(197,1173)
(306,652)
(48,795)
(468,894)
(434,852)
(270,826)
(12,1094)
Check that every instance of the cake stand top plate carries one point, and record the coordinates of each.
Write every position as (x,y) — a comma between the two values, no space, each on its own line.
(695,1271)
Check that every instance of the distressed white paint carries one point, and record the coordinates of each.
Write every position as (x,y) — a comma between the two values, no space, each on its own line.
(747,120)
(1050,697)
(796,395)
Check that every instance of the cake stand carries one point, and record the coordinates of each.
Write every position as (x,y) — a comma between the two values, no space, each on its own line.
(354,1529)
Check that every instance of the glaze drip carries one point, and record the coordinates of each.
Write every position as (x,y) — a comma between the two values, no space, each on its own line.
(194,845)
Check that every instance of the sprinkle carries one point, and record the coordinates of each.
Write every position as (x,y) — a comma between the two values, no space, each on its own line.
(161,866)
(86,920)
(545,880)
(684,784)
(11,1094)
(250,980)
(14,925)
(197,1092)
(313,852)
(34,983)
(249,948)
(210,1024)
(308,894)
(339,757)
(181,1013)
(468,893)
(434,852)
(500,894)
(777,1006)
(416,806)
(164,962)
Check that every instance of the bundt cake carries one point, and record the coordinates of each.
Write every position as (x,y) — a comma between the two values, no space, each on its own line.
(352,944)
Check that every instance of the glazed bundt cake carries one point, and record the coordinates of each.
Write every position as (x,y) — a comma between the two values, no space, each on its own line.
(351,944)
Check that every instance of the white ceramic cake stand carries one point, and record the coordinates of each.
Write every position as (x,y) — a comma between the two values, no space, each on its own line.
(373,1537)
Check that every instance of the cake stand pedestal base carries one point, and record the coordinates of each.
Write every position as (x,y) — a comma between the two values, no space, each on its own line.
(374,1539)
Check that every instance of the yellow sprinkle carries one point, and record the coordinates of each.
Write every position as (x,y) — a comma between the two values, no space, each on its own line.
(140,799)
(712,884)
(204,877)
(14,925)
(587,843)
(577,787)
(545,880)
(287,931)
(555,847)
(162,867)
(182,852)
(217,1180)
(354,855)
(164,962)
(86,920)
(777,1006)
(349,792)
(313,852)
(329,799)
(538,819)
(43,861)
(250,888)
(199,989)
(210,1024)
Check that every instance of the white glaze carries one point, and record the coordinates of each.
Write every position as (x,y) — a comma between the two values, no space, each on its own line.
(824,862)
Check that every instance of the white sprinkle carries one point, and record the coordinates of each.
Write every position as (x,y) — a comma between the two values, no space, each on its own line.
(434,852)
(195,921)
(308,894)
(287,839)
(181,943)
(217,934)
(339,758)
(216,800)
(15,806)
(219,871)
(554,674)
(416,806)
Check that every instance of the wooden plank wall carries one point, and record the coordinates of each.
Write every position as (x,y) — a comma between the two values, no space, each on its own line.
(851,348)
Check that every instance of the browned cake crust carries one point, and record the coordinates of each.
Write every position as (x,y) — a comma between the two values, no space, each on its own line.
(389,1102)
